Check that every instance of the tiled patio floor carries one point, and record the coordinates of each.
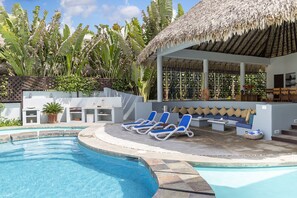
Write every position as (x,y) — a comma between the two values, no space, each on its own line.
(210,143)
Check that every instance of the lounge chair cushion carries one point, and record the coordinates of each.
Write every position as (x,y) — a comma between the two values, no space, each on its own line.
(199,111)
(243,125)
(175,110)
(223,111)
(191,110)
(214,111)
(183,110)
(231,111)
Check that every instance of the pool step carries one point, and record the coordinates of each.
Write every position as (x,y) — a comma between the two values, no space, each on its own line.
(285,138)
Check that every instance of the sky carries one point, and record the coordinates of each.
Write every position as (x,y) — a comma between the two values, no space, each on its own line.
(92,12)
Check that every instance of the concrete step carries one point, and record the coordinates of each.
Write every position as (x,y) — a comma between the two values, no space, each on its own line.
(294,126)
(285,138)
(292,132)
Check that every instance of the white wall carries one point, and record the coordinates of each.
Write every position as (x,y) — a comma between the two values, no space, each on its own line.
(11,111)
(281,65)
(38,101)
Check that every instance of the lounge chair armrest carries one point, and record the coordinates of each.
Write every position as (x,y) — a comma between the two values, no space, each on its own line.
(140,120)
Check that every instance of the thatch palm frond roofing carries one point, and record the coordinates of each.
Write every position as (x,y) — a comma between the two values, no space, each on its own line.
(212,21)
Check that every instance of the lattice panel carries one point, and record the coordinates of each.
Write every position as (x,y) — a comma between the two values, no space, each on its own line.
(15,85)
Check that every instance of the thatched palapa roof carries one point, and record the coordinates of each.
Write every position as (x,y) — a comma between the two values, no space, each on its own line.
(262,28)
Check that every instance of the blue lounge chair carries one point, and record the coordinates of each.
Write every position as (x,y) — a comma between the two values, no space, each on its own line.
(182,128)
(140,121)
(146,128)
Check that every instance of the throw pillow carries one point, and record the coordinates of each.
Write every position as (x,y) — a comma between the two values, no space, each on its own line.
(231,111)
(183,110)
(191,110)
(175,110)
(223,111)
(244,113)
(199,111)
(237,112)
(206,111)
(214,111)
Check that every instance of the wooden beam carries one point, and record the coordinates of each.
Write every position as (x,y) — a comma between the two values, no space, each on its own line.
(258,43)
(272,46)
(264,52)
(235,41)
(279,39)
(220,57)
(165,51)
(241,41)
(245,49)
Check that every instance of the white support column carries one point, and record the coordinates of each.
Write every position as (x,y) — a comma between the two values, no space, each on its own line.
(205,71)
(242,75)
(159,78)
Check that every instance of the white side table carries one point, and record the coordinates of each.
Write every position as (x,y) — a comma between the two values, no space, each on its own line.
(31,116)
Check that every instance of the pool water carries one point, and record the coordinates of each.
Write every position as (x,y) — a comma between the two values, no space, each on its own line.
(60,167)
(251,182)
(22,130)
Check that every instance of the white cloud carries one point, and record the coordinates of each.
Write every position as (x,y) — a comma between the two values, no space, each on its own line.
(1,2)
(72,8)
(118,14)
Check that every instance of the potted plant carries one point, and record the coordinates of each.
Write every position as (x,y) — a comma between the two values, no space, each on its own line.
(52,109)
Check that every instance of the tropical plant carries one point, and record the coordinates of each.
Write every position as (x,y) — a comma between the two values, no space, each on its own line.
(159,15)
(40,49)
(180,11)
(110,55)
(52,108)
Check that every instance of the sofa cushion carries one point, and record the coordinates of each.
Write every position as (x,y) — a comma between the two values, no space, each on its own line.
(175,110)
(206,111)
(196,115)
(243,125)
(231,111)
(217,117)
(191,110)
(209,116)
(223,111)
(237,112)
(199,111)
(214,111)
(183,110)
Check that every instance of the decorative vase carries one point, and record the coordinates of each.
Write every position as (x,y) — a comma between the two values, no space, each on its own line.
(52,118)
(205,94)
(166,94)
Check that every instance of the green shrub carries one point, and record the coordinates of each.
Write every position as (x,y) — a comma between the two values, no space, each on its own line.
(74,83)
(4,122)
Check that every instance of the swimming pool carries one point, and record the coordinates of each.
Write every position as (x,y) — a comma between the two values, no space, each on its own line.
(60,167)
(251,182)
(22,130)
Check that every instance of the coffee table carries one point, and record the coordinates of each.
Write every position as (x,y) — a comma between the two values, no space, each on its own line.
(199,122)
(218,125)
